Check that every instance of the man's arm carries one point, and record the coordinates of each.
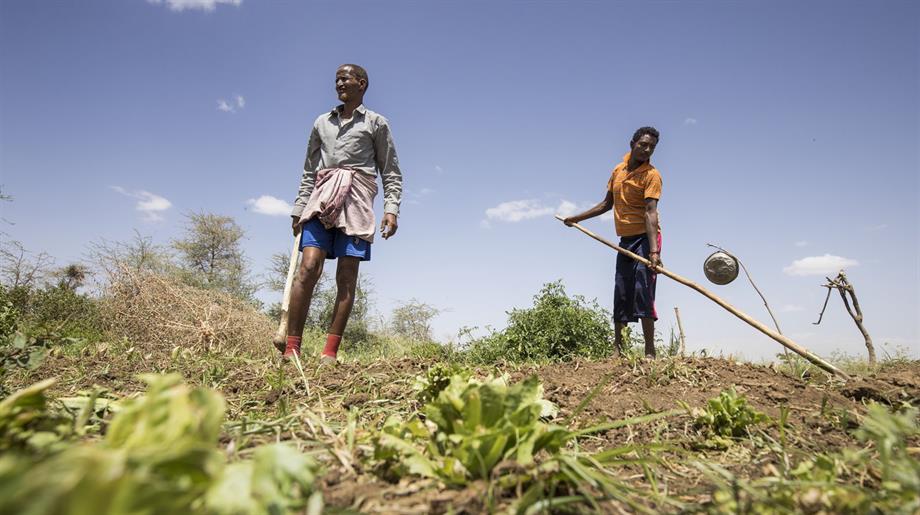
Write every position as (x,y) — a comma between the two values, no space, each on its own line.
(651,231)
(311,161)
(391,176)
(601,208)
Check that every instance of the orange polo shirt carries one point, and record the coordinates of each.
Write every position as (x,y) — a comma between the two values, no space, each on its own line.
(630,189)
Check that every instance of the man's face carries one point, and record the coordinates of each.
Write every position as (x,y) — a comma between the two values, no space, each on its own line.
(348,85)
(644,147)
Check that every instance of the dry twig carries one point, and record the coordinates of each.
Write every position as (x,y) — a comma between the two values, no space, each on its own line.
(844,287)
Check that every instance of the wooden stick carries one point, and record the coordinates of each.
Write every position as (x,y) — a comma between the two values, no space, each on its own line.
(783,340)
(680,329)
(280,338)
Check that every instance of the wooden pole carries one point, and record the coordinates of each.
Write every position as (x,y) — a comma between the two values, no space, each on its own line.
(680,330)
(280,337)
(783,340)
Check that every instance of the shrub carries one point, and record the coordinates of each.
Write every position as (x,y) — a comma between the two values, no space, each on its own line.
(557,327)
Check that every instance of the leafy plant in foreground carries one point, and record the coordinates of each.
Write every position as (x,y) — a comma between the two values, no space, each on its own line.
(490,430)
(436,379)
(475,426)
(158,456)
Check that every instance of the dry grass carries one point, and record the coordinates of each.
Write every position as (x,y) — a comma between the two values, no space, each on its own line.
(163,313)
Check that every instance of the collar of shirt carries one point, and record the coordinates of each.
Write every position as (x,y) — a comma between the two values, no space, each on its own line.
(644,166)
(337,110)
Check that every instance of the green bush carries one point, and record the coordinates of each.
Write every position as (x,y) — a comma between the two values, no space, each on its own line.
(557,327)
(53,309)
(9,317)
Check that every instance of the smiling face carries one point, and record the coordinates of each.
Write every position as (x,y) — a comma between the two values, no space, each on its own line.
(644,147)
(348,85)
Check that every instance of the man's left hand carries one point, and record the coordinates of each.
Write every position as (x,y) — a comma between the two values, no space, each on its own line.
(388,226)
(655,259)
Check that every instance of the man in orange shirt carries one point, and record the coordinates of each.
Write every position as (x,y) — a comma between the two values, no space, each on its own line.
(633,192)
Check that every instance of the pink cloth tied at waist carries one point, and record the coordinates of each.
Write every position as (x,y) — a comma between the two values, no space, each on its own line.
(343,198)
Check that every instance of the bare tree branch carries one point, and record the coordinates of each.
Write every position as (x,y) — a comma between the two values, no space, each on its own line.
(844,287)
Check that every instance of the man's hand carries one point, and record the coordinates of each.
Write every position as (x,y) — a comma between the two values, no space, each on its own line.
(655,259)
(569,221)
(388,226)
(295,225)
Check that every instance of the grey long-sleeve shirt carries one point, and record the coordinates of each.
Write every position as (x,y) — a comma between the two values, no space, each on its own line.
(363,143)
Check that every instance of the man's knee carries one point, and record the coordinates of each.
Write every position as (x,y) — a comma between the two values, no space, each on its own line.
(310,270)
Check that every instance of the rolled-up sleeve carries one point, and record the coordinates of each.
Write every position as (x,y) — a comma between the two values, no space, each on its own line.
(311,161)
(388,167)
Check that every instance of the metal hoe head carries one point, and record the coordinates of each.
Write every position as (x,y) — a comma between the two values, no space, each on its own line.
(720,268)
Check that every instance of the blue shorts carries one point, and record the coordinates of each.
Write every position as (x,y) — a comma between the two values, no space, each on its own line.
(335,242)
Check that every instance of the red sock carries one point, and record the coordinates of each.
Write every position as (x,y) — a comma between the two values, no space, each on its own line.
(293,346)
(332,345)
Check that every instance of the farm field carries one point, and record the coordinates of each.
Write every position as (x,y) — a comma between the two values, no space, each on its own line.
(631,434)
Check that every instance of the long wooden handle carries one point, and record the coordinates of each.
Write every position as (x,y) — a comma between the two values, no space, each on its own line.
(292,269)
(281,333)
(783,340)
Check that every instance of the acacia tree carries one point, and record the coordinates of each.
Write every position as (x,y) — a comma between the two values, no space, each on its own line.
(413,320)
(211,256)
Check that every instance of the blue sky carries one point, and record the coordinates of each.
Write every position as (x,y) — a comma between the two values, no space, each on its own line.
(789,131)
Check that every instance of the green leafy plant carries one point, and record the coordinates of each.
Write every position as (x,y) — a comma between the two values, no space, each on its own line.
(473,426)
(490,430)
(729,415)
(158,456)
(436,379)
(557,327)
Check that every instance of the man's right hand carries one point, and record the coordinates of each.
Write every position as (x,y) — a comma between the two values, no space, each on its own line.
(570,221)
(295,225)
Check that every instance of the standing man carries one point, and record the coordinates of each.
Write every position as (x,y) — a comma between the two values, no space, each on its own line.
(633,192)
(333,212)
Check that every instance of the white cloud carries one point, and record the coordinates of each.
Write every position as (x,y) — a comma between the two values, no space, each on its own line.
(438,169)
(269,205)
(819,265)
(791,308)
(204,5)
(801,243)
(150,204)
(231,106)
(519,210)
(566,208)
(690,121)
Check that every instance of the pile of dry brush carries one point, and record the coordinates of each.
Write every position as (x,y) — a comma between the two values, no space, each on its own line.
(160,313)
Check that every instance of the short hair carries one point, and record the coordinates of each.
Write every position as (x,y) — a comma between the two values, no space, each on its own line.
(360,72)
(642,131)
